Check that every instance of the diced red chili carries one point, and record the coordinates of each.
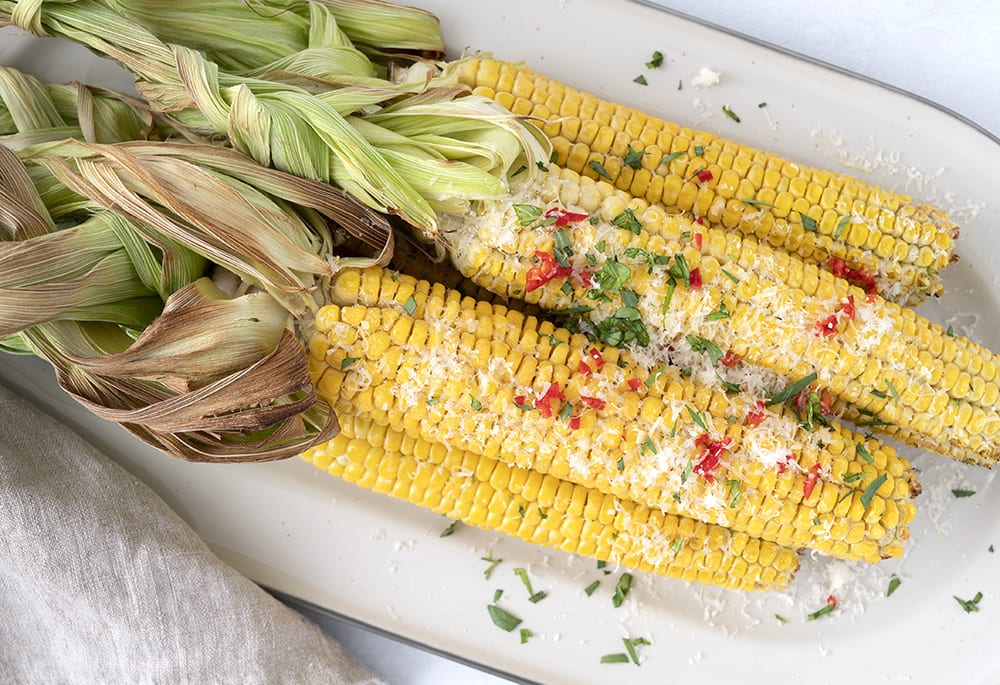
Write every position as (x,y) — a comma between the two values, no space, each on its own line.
(827,327)
(598,358)
(593,402)
(553,391)
(705,175)
(832,601)
(858,277)
(710,456)
(847,306)
(547,270)
(544,408)
(584,368)
(700,220)
(694,278)
(702,439)
(756,416)
(574,422)
(786,462)
(698,238)
(729,359)
(586,277)
(563,218)
(810,483)
(634,384)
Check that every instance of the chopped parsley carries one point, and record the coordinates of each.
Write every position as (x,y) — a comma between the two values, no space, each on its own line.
(525,634)
(699,150)
(474,402)
(613,275)
(346,362)
(641,80)
(959,492)
(655,61)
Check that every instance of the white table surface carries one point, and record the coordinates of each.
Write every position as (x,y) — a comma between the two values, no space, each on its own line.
(946,52)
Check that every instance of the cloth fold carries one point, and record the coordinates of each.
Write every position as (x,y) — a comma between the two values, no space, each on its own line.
(100,582)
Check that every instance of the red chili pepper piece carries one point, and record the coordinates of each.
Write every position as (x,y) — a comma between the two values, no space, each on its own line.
(634,384)
(705,175)
(694,278)
(584,368)
(702,439)
(698,238)
(729,359)
(598,358)
(827,327)
(593,402)
(786,462)
(756,416)
(847,306)
(858,277)
(553,391)
(700,220)
(546,271)
(574,422)
(544,408)
(563,218)
(832,601)
(709,459)
(811,478)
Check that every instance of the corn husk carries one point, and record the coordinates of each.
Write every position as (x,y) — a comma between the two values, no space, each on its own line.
(280,102)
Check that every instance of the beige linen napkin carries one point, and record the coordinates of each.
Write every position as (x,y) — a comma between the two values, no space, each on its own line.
(100,582)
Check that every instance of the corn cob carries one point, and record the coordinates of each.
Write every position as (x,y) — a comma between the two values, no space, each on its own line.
(416,357)
(494,495)
(885,366)
(807,211)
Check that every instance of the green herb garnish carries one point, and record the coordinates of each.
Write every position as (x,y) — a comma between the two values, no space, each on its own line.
(969,605)
(721,313)
(792,390)
(842,225)
(869,493)
(346,362)
(502,619)
(592,588)
(703,346)
(621,589)
(667,159)
(641,80)
(410,305)
(525,634)
(821,612)
(808,222)
(599,169)
(618,658)
(655,61)
(450,529)
(686,473)
(894,583)
(474,402)
(958,492)
(699,418)
(493,564)
(730,113)
(730,276)
(633,158)
(628,221)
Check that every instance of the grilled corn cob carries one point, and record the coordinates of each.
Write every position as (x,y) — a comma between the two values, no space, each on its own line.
(495,495)
(488,380)
(813,213)
(886,367)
